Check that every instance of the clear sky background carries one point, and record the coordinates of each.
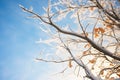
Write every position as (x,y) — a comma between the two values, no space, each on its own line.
(17,42)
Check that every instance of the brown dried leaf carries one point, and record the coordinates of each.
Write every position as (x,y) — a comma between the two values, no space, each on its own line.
(109,26)
(96,35)
(85,52)
(92,61)
(102,72)
(101,30)
(87,45)
(111,64)
(70,63)
(96,30)
(91,8)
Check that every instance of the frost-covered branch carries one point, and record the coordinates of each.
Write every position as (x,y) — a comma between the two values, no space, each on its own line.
(80,63)
(90,34)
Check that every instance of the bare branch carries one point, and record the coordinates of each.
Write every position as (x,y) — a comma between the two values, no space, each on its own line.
(80,63)
(54,61)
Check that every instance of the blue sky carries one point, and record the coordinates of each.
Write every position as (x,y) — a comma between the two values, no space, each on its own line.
(17,41)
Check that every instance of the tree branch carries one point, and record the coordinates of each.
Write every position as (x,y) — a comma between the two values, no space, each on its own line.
(54,61)
(80,63)
(96,46)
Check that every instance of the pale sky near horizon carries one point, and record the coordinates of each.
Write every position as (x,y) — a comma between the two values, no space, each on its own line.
(18,49)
